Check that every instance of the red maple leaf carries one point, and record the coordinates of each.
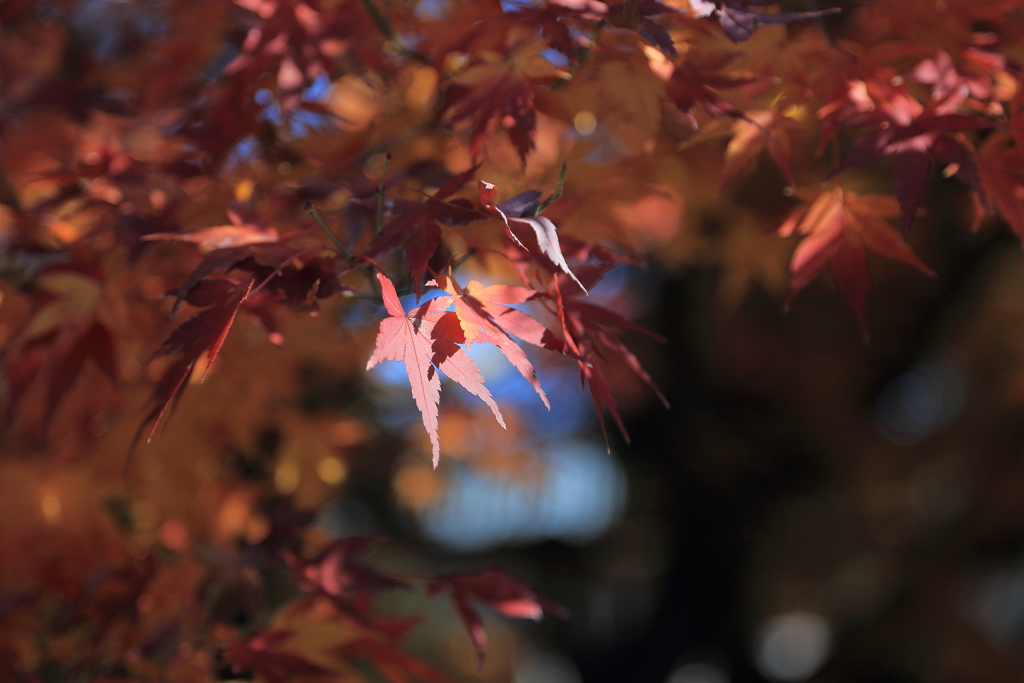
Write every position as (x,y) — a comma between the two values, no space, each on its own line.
(299,42)
(277,268)
(67,331)
(1001,166)
(970,77)
(588,332)
(487,316)
(587,328)
(498,591)
(915,136)
(260,655)
(391,661)
(840,227)
(763,129)
(245,228)
(427,339)
(202,333)
(333,572)
(555,17)
(418,227)
(502,89)
(695,82)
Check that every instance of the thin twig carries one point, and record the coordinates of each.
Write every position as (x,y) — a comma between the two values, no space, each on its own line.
(311,210)
(442,201)
(465,257)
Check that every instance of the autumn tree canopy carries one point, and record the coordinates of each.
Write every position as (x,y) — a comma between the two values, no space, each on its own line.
(217,217)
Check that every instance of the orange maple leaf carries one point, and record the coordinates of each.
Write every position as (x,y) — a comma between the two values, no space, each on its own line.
(840,227)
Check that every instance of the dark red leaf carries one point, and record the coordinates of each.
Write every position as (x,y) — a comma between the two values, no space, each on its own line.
(261,655)
(508,96)
(586,329)
(95,343)
(204,332)
(418,228)
(695,82)
(914,136)
(498,591)
(392,662)
(334,573)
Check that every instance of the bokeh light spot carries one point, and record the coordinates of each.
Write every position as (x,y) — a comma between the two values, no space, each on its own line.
(286,477)
(698,672)
(51,506)
(331,470)
(792,647)
(585,122)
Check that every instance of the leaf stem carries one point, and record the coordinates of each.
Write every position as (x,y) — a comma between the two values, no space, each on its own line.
(379,20)
(279,269)
(442,201)
(311,210)
(462,259)
(556,195)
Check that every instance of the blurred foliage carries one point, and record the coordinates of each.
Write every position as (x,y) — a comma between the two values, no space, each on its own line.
(186,182)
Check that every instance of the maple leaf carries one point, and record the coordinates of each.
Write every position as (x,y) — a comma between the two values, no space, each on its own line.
(282,275)
(393,663)
(333,573)
(1001,167)
(486,315)
(973,77)
(245,228)
(275,265)
(498,591)
(296,40)
(491,26)
(586,327)
(555,18)
(757,131)
(915,136)
(502,88)
(543,232)
(427,339)
(695,80)
(261,655)
(418,228)
(203,333)
(839,227)
(71,329)
(587,330)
